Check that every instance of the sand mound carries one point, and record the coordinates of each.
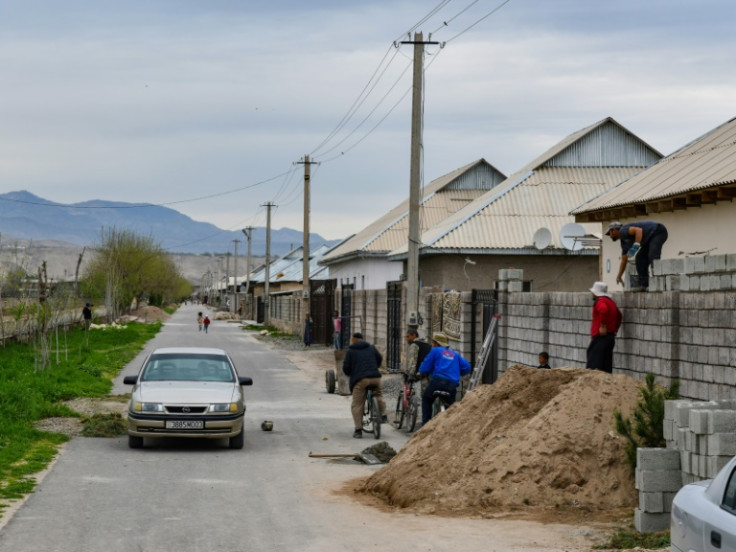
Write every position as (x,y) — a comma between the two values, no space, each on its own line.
(149,313)
(534,440)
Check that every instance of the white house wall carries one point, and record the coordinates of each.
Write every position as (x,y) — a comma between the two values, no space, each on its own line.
(365,273)
(709,229)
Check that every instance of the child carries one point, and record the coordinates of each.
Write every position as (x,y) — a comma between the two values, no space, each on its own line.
(206,323)
(200,320)
(544,360)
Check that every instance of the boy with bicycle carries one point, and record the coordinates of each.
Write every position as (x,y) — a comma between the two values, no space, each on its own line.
(444,368)
(362,362)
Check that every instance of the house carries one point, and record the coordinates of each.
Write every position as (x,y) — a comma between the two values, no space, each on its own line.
(691,192)
(361,261)
(525,221)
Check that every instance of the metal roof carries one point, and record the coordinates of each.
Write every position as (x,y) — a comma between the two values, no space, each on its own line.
(441,198)
(703,171)
(541,194)
(289,267)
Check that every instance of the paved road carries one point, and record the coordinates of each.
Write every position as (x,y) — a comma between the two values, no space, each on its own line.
(196,496)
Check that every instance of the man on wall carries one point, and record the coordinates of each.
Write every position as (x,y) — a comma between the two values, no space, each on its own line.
(641,241)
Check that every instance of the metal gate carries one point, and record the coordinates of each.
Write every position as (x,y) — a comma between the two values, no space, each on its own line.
(322,299)
(394,326)
(346,310)
(487,298)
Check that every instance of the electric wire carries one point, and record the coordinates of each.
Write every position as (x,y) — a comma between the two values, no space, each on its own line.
(432,12)
(486,16)
(358,101)
(447,23)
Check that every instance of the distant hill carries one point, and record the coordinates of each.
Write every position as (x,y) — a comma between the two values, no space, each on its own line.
(26,216)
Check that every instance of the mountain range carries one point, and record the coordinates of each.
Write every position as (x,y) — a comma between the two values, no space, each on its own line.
(24,215)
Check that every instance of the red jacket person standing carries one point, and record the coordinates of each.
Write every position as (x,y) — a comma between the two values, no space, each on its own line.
(603,328)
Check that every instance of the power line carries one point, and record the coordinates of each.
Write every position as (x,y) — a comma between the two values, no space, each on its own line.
(486,16)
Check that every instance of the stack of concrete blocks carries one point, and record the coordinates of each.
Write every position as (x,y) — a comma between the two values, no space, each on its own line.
(700,438)
(698,273)
(657,479)
(704,432)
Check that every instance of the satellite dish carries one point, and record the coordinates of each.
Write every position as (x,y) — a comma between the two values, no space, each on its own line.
(542,238)
(569,234)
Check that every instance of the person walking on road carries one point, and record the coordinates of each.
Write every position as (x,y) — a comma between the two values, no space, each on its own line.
(444,367)
(361,364)
(200,320)
(206,323)
(606,322)
(641,241)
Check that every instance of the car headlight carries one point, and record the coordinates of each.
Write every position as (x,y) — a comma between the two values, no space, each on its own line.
(147,407)
(224,407)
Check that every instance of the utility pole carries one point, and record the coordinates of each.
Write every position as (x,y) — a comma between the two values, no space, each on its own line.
(235,278)
(266,301)
(248,231)
(412,263)
(227,278)
(305,240)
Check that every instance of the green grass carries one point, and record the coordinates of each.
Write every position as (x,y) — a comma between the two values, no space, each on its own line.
(626,539)
(27,394)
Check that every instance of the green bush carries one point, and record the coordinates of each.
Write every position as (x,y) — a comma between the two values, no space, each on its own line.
(645,428)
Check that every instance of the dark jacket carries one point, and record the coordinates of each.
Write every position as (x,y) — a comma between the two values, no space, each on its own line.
(362,360)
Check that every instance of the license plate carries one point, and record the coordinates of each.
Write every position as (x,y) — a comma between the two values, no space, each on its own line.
(184,424)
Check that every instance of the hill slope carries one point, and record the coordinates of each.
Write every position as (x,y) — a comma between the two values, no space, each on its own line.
(26,216)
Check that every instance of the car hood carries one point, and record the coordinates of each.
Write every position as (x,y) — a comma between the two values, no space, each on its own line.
(179,392)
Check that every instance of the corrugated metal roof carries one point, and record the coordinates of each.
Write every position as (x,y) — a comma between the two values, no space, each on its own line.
(289,267)
(509,219)
(707,162)
(442,197)
(541,193)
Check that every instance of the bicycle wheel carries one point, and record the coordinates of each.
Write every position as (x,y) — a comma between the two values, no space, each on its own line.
(376,417)
(367,414)
(399,413)
(411,414)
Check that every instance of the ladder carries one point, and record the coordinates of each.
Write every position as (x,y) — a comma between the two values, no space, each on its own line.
(485,350)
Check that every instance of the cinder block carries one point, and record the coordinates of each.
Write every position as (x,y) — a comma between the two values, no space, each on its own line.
(657,459)
(515,274)
(651,523)
(694,265)
(667,498)
(657,480)
(722,421)
(515,286)
(731,262)
(682,412)
(685,461)
(652,503)
(714,464)
(698,422)
(722,444)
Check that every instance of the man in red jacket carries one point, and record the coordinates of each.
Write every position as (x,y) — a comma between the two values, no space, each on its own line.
(606,321)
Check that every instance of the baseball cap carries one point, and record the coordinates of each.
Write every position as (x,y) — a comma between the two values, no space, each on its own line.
(613,226)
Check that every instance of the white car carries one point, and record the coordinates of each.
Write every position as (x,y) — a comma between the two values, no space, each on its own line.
(704,514)
(187,392)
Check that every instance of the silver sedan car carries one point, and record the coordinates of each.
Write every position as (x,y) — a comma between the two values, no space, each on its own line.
(704,514)
(187,392)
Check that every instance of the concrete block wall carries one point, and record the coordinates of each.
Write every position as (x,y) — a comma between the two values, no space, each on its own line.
(657,478)
(698,273)
(676,335)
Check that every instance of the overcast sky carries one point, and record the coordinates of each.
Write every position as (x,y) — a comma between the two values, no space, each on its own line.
(208,105)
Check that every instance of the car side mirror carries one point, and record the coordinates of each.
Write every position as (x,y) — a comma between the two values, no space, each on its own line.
(245,380)
(130,380)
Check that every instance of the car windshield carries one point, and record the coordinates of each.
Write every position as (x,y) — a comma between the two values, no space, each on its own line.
(184,367)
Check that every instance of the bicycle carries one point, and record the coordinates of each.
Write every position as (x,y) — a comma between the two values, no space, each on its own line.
(371,413)
(440,402)
(407,406)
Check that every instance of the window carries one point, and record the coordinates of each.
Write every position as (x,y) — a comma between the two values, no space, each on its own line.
(729,497)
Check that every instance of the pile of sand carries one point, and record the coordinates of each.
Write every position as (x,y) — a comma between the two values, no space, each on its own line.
(149,313)
(536,440)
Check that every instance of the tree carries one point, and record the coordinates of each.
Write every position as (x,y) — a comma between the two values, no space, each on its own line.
(127,267)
